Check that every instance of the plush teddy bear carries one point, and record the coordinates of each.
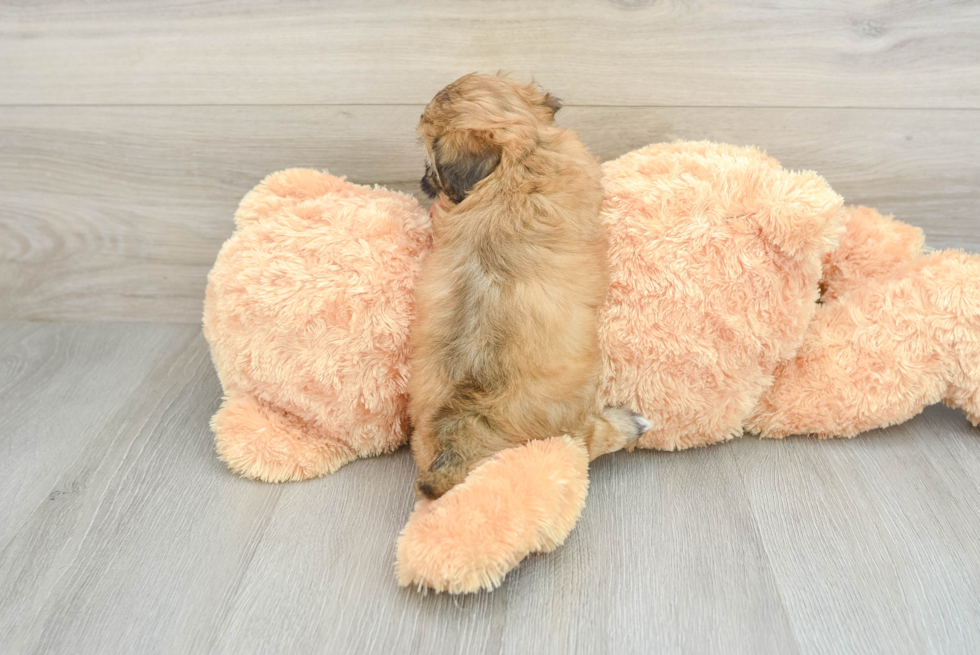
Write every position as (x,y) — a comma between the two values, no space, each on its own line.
(743,298)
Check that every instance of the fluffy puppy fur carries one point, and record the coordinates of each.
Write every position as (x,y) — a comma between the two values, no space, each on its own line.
(504,347)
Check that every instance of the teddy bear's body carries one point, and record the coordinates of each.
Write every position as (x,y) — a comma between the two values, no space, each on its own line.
(715,255)
(743,298)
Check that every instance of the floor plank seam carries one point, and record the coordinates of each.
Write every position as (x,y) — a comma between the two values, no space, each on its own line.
(228,599)
(787,615)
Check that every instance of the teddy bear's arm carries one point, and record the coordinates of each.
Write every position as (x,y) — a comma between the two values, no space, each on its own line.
(882,352)
(872,245)
(522,500)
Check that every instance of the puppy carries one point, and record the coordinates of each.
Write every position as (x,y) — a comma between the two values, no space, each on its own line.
(504,346)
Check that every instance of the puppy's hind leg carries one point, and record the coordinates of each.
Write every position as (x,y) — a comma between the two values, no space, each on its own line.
(446,471)
(463,440)
(616,428)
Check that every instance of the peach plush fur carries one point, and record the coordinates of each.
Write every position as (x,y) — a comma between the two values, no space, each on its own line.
(744,298)
(307,312)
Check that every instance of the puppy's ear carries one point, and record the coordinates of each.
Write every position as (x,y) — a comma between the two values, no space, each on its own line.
(463,163)
(552,103)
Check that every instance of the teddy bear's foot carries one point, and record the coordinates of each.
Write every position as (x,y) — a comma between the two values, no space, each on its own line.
(522,500)
(966,399)
(881,353)
(259,442)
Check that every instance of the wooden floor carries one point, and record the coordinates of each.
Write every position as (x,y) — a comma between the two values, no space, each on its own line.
(121,532)
(129,130)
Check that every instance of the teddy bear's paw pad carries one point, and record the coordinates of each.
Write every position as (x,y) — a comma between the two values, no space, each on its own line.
(261,443)
(522,500)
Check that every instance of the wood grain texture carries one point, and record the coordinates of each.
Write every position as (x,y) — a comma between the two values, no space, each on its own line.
(666,558)
(139,540)
(613,52)
(117,213)
(48,418)
(875,542)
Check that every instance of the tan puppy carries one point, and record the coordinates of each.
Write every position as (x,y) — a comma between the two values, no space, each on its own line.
(504,347)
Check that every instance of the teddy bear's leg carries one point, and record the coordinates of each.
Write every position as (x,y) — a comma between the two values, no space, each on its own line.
(522,500)
(260,442)
(882,352)
(872,245)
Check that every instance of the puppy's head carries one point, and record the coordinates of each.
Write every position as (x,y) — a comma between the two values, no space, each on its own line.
(475,123)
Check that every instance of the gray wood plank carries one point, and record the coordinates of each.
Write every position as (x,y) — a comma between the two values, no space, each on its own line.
(144,532)
(322,580)
(59,387)
(867,545)
(166,551)
(666,558)
(874,541)
(620,52)
(631,578)
(117,213)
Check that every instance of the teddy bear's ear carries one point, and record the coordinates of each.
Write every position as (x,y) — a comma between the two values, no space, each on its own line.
(463,159)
